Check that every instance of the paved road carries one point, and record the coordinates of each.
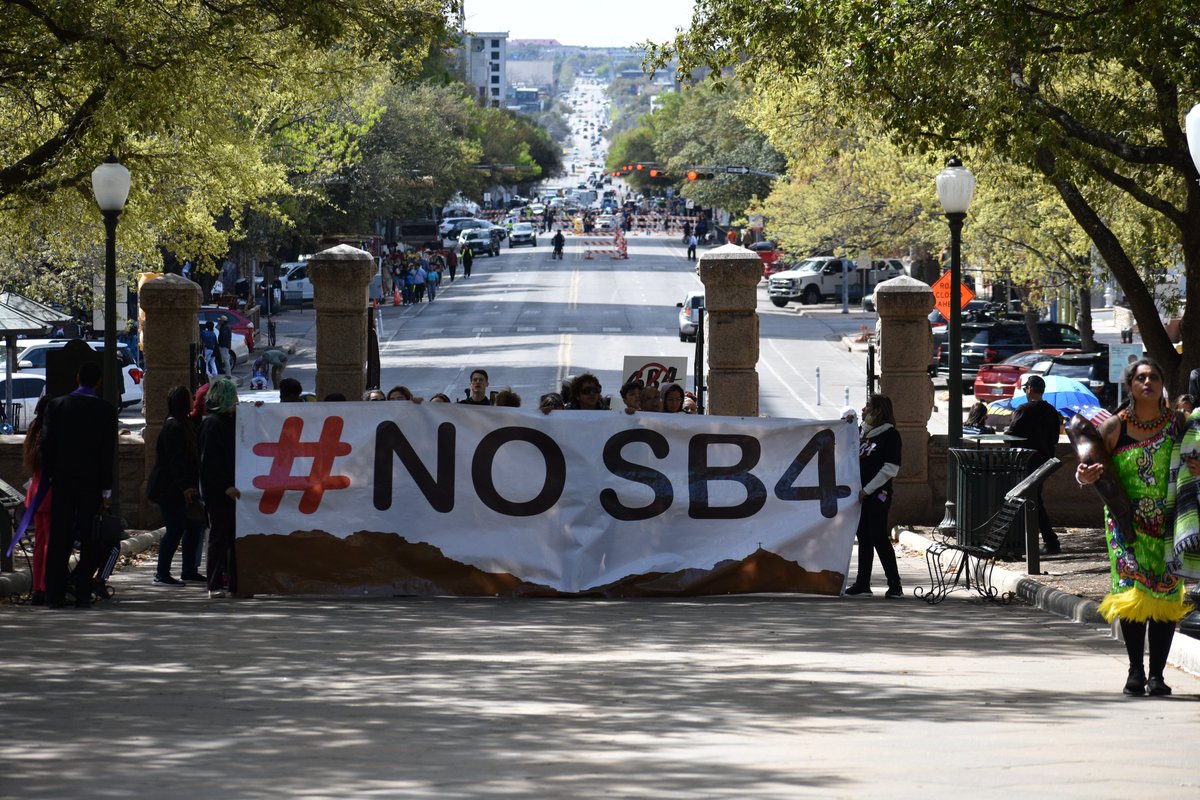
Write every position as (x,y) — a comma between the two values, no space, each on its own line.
(166,694)
(530,321)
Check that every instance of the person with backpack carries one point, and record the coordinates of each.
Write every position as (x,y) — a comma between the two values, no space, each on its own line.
(558,242)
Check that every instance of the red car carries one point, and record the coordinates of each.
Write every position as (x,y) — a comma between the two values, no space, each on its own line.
(239,323)
(998,381)
(769,254)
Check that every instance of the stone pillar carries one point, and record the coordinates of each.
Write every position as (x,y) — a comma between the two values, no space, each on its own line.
(168,305)
(730,275)
(340,277)
(905,345)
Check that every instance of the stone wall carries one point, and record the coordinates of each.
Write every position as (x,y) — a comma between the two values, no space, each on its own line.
(138,513)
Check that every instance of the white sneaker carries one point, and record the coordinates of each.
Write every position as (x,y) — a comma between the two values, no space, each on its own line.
(215,593)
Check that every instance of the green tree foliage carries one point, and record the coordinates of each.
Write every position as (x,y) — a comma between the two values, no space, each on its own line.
(1089,94)
(215,107)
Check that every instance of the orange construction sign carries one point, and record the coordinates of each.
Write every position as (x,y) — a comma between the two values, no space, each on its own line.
(941,295)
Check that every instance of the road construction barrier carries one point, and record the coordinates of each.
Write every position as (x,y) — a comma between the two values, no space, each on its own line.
(614,248)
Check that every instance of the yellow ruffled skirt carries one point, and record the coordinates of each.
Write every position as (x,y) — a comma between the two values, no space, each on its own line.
(1137,606)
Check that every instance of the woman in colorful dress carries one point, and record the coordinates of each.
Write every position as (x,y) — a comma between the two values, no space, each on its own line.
(1145,594)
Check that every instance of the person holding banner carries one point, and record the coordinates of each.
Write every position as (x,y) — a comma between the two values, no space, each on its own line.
(585,393)
(218,447)
(878,462)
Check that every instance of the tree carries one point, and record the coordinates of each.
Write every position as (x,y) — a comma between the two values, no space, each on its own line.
(1090,95)
(216,108)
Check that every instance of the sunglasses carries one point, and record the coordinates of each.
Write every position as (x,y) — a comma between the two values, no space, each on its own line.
(590,390)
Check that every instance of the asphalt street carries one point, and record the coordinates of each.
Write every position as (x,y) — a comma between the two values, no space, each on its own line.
(164,693)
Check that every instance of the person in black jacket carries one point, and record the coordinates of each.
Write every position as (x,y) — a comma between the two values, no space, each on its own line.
(225,345)
(878,463)
(174,485)
(217,449)
(1039,423)
(79,439)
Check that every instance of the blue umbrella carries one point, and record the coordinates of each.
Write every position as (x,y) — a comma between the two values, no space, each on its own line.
(1062,393)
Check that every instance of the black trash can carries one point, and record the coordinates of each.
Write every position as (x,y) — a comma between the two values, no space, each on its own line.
(984,477)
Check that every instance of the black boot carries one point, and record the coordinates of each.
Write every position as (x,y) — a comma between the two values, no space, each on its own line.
(1161,634)
(1134,634)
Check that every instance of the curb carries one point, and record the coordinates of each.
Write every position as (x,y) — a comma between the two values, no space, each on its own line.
(21,582)
(1185,651)
(854,345)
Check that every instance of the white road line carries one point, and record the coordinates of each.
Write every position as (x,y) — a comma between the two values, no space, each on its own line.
(786,385)
(611,330)
(481,330)
(568,330)
(526,330)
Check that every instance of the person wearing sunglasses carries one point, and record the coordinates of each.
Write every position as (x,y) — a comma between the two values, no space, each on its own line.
(585,393)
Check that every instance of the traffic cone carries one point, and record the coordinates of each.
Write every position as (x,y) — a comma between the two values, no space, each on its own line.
(395,297)
(374,303)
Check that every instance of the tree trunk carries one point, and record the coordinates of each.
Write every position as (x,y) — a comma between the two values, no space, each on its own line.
(1031,325)
(1084,292)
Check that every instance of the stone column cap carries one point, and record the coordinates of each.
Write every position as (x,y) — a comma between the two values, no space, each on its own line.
(170,285)
(342,252)
(729,250)
(903,295)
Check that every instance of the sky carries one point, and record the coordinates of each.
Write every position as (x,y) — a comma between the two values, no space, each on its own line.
(597,23)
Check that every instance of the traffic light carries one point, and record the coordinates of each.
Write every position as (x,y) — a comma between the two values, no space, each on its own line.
(640,167)
(693,175)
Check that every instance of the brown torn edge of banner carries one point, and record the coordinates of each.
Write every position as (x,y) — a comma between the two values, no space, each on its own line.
(368,563)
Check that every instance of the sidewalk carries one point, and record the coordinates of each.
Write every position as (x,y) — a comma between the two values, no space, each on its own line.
(162,691)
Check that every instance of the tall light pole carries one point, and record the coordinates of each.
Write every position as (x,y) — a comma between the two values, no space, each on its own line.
(955,187)
(110,184)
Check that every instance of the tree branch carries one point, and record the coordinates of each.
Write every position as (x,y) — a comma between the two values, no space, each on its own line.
(1114,255)
(35,164)
(1131,187)
(1087,134)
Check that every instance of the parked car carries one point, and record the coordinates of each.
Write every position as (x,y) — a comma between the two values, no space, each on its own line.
(240,326)
(768,253)
(821,278)
(293,277)
(33,354)
(480,240)
(999,381)
(1090,369)
(606,222)
(689,316)
(522,233)
(27,386)
(993,341)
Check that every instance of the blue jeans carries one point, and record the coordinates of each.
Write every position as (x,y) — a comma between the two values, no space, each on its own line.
(179,528)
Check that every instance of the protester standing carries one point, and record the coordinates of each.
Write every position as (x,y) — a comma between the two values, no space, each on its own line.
(225,345)
(878,463)
(1146,596)
(468,258)
(691,247)
(32,458)
(174,485)
(79,437)
(1039,423)
(217,483)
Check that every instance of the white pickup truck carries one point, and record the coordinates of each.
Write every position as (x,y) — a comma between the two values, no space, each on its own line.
(820,278)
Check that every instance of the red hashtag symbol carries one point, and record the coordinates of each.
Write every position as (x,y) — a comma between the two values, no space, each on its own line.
(285,451)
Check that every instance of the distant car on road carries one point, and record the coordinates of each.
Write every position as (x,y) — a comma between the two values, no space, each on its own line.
(522,233)
(689,315)
(27,386)
(480,241)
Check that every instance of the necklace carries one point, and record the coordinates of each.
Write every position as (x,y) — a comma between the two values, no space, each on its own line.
(1147,425)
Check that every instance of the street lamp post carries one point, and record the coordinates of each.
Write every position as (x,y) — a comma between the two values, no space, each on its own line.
(1191,623)
(955,187)
(110,184)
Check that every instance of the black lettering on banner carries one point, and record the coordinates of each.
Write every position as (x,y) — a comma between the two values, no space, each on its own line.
(826,490)
(700,473)
(390,441)
(552,487)
(616,463)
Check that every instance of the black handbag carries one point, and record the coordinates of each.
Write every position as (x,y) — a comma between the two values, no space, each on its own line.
(197,514)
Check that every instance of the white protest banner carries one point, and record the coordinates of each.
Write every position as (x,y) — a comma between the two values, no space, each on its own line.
(435,498)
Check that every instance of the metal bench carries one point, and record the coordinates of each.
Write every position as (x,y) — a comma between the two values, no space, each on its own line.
(977,561)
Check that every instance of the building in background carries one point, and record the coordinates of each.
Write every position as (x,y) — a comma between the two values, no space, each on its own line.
(485,56)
